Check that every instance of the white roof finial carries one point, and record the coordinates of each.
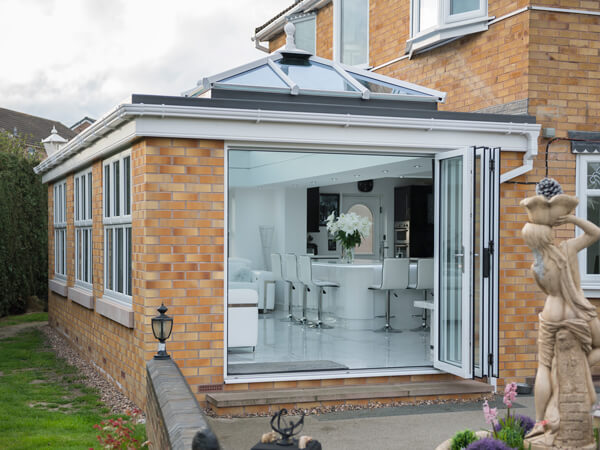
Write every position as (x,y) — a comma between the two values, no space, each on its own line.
(290,30)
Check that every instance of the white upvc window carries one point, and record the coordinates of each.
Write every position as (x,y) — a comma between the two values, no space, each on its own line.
(116,182)
(434,22)
(351,32)
(82,201)
(305,36)
(60,229)
(588,192)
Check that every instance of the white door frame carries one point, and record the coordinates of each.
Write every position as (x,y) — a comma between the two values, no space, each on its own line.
(465,369)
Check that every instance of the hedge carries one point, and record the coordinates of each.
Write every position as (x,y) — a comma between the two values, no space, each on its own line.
(23,228)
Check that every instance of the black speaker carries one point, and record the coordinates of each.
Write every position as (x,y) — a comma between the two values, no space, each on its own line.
(365,186)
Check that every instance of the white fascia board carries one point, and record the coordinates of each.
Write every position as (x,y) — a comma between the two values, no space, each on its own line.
(113,142)
(277,25)
(300,128)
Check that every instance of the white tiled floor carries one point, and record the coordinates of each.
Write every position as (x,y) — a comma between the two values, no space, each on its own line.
(358,349)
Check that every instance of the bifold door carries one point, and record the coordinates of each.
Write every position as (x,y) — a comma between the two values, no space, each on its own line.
(465,316)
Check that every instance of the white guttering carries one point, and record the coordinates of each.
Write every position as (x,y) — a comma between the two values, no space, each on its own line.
(532,150)
(504,17)
(273,27)
(101,127)
(126,112)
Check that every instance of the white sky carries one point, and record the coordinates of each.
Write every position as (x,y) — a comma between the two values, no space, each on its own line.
(66,59)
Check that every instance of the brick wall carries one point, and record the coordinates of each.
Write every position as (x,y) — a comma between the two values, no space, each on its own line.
(179,240)
(111,347)
(549,60)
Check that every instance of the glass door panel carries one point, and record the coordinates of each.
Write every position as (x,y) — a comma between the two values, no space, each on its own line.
(453,249)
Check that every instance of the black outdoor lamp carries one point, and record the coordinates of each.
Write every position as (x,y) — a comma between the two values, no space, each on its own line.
(161,327)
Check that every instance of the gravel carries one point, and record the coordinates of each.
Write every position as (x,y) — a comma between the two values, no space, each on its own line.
(114,399)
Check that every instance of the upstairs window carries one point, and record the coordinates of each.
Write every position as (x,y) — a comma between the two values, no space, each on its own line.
(117,226)
(60,229)
(435,22)
(305,35)
(82,199)
(351,22)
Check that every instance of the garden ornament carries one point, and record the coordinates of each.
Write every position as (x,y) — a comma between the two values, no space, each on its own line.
(569,329)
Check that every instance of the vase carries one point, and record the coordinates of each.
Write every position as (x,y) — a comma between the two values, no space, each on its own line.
(347,255)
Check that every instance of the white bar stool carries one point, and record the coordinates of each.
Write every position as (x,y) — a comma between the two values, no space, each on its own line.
(305,275)
(291,275)
(394,275)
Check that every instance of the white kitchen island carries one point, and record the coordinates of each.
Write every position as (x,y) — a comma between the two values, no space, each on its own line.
(353,304)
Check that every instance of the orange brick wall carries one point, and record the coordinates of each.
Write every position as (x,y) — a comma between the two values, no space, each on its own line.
(111,347)
(179,241)
(549,59)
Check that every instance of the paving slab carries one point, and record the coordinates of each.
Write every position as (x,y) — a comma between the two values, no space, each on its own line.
(405,427)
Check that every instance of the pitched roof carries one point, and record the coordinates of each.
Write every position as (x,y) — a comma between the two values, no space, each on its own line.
(32,128)
(270,21)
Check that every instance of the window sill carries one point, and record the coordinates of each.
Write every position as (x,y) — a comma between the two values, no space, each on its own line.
(115,311)
(591,291)
(439,36)
(82,297)
(58,286)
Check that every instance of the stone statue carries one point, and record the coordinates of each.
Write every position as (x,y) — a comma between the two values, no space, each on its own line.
(569,329)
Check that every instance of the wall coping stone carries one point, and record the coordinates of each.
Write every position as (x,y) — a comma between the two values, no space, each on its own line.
(180,412)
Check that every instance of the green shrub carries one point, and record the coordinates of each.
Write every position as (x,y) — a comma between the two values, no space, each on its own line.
(462,439)
(512,436)
(24,225)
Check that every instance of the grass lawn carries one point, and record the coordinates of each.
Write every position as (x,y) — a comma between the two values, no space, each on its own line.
(24,318)
(43,402)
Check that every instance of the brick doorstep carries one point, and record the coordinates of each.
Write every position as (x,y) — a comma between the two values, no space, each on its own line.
(357,392)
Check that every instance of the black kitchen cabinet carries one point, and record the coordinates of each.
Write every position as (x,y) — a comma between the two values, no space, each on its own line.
(414,204)
(312,210)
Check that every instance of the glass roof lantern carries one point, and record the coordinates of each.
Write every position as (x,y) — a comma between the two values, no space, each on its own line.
(296,72)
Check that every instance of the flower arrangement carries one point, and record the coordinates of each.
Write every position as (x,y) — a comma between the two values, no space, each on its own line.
(349,230)
(507,433)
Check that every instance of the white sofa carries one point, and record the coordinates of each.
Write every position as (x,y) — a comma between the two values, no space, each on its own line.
(242,324)
(241,276)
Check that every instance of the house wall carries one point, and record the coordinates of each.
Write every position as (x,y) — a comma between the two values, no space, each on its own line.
(542,63)
(179,190)
(177,259)
(112,348)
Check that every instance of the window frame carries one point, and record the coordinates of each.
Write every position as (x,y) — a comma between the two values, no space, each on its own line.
(60,228)
(448,28)
(301,18)
(116,215)
(590,283)
(337,34)
(82,220)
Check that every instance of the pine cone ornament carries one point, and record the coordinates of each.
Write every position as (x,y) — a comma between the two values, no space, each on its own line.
(548,187)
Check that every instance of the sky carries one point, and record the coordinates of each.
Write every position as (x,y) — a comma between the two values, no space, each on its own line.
(67,59)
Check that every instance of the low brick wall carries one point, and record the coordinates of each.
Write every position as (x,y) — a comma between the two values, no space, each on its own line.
(174,417)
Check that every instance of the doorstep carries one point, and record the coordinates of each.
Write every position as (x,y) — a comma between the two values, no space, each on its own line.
(264,400)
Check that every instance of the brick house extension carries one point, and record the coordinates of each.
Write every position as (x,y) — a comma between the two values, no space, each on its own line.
(514,57)
(182,200)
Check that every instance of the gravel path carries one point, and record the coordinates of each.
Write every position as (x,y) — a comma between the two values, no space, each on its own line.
(114,399)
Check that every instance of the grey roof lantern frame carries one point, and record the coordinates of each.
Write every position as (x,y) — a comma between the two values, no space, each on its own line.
(358,83)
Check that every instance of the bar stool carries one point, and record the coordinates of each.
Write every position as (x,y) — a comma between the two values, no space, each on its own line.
(277,269)
(394,275)
(305,275)
(425,283)
(291,275)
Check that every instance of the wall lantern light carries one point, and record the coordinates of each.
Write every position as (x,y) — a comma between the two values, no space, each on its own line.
(162,325)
